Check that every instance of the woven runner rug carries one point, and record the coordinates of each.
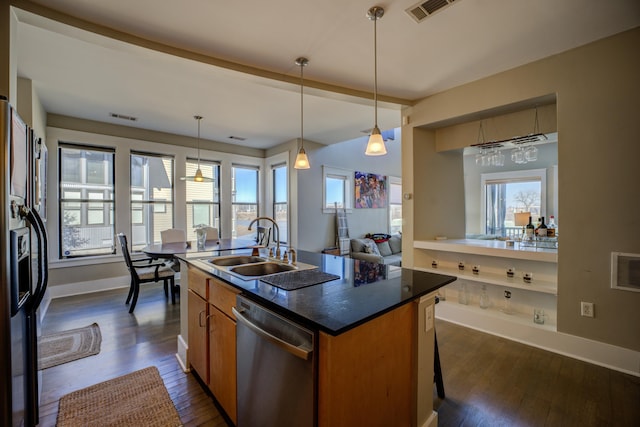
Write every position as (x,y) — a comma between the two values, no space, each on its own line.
(62,347)
(136,399)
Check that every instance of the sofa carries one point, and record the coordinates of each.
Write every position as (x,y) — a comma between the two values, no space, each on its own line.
(382,250)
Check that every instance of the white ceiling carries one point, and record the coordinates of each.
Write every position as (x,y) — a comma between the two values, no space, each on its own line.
(82,74)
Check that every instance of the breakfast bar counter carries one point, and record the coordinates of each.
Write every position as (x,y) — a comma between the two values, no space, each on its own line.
(371,328)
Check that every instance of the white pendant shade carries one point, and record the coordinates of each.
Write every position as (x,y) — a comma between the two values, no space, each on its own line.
(375,146)
(302,161)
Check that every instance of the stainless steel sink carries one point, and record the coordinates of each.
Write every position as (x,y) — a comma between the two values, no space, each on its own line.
(261,269)
(235,260)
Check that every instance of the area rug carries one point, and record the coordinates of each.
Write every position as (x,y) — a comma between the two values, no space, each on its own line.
(62,347)
(136,399)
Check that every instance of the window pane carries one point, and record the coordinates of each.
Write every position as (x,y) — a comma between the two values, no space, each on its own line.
(334,192)
(244,200)
(280,202)
(203,198)
(242,216)
(203,191)
(71,171)
(245,185)
(504,198)
(280,184)
(86,206)
(202,213)
(395,208)
(96,163)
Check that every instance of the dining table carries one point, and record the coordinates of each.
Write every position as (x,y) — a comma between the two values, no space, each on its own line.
(168,250)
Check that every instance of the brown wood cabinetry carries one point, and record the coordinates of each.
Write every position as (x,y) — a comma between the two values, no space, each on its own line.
(222,360)
(365,375)
(212,336)
(198,336)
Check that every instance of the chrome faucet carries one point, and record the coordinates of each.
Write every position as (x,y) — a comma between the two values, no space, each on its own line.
(276,234)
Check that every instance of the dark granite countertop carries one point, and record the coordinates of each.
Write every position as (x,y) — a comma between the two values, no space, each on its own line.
(363,292)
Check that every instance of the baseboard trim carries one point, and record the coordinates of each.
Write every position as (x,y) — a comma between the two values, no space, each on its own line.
(181,355)
(595,352)
(79,288)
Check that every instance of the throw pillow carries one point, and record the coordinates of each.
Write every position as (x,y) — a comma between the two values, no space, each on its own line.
(371,247)
(358,245)
(384,248)
(395,242)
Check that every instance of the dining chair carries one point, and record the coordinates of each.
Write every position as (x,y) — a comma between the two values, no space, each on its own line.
(212,233)
(173,235)
(263,235)
(145,270)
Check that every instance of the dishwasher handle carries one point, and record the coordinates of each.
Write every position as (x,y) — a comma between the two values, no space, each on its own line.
(297,351)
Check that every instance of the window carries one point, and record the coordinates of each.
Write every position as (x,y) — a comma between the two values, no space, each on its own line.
(244,199)
(151,197)
(280,200)
(87,201)
(395,205)
(505,193)
(203,198)
(338,189)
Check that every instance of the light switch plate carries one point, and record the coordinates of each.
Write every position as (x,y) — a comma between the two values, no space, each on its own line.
(428,318)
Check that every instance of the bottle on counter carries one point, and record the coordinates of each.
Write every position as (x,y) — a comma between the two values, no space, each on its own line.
(552,227)
(541,231)
(536,227)
(530,229)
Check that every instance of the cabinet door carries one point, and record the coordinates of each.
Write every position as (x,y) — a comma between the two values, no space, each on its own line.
(198,345)
(222,349)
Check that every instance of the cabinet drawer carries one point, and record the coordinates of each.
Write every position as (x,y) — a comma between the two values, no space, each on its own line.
(198,282)
(222,296)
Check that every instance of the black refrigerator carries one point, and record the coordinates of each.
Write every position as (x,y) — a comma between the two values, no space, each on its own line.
(23,270)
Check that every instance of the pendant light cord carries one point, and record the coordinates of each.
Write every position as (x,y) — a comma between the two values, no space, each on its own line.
(302,64)
(375,70)
(198,118)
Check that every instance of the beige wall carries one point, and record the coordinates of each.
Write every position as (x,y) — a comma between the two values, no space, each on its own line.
(598,120)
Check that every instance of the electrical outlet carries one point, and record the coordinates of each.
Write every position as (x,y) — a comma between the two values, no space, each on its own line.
(586,309)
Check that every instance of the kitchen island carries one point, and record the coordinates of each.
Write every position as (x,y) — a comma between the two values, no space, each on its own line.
(372,326)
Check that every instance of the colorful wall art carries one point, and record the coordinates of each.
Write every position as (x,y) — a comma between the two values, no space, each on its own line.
(370,190)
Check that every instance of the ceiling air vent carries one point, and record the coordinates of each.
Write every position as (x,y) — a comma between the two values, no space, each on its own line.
(237,138)
(123,117)
(423,10)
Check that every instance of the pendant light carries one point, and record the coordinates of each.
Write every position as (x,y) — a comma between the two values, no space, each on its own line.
(375,146)
(302,161)
(198,177)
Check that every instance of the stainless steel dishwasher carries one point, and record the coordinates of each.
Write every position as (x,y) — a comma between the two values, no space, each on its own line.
(276,369)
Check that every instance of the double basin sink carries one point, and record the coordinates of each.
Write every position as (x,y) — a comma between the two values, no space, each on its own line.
(250,267)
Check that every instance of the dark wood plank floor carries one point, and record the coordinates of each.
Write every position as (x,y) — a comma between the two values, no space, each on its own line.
(488,380)
(491,381)
(129,342)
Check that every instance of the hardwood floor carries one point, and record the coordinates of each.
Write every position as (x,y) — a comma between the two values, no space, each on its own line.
(492,381)
(488,380)
(129,342)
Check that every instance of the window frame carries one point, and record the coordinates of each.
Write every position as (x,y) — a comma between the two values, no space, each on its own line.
(393,181)
(512,177)
(235,166)
(348,181)
(83,204)
(214,206)
(276,204)
(151,204)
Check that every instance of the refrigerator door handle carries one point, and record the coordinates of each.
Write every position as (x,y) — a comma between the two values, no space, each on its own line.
(43,270)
